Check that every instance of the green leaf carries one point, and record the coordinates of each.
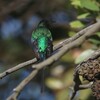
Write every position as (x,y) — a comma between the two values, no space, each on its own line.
(90,4)
(82,16)
(95,41)
(76,2)
(76,24)
(71,33)
(84,55)
(98,34)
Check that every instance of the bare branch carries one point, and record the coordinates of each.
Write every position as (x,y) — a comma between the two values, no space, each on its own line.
(54,58)
(82,32)
(59,45)
(13,69)
(17,90)
(85,86)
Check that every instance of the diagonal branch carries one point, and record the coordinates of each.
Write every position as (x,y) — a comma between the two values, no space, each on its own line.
(80,33)
(22,85)
(53,59)
(59,45)
(13,69)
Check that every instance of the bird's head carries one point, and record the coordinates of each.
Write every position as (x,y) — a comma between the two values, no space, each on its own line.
(44,23)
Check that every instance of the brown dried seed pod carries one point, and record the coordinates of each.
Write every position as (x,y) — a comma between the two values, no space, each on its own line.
(96,89)
(89,69)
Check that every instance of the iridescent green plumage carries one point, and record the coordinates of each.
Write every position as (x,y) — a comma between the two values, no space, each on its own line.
(42,41)
(42,44)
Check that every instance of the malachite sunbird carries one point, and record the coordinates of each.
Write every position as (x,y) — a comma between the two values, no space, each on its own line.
(42,44)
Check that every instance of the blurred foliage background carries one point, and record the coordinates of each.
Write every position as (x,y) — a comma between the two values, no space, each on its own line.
(18,18)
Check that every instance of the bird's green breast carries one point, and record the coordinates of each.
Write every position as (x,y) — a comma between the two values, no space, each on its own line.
(42,43)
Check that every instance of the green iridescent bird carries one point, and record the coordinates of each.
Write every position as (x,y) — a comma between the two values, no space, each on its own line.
(42,43)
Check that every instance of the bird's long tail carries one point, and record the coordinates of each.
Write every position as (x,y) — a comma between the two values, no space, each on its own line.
(42,80)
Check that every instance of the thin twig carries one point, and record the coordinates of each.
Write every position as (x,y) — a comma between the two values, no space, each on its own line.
(85,86)
(19,66)
(52,59)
